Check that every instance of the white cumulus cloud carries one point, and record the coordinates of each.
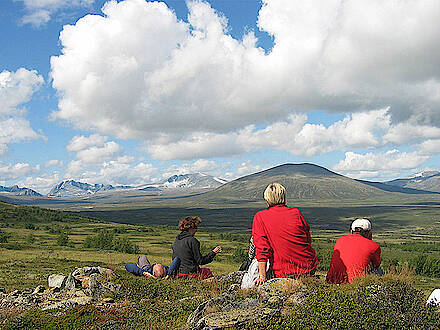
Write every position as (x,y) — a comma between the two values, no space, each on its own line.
(373,162)
(16,89)
(176,84)
(15,171)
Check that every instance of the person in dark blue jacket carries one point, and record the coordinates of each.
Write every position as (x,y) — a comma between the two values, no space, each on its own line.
(145,268)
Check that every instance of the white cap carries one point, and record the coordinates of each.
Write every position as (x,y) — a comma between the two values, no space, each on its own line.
(364,224)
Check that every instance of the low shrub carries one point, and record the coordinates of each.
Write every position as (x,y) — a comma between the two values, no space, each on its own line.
(4,237)
(62,239)
(106,240)
(426,266)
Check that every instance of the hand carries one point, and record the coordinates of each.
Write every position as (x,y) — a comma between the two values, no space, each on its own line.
(147,274)
(260,280)
(217,249)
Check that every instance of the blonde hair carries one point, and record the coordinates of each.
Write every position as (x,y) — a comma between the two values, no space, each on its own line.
(275,194)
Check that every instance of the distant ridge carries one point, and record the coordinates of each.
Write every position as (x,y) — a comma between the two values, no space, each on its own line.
(303,181)
(191,181)
(17,191)
(428,181)
(72,188)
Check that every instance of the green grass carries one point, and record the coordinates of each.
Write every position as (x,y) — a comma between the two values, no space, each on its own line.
(26,262)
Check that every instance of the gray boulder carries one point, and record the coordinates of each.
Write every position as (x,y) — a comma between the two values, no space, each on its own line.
(85,271)
(224,312)
(56,281)
(99,285)
(72,283)
(39,289)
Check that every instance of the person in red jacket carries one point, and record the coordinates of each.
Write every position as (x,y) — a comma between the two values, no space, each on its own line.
(282,238)
(354,255)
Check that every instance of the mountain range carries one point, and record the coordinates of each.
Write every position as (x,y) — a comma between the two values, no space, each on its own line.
(195,182)
(428,180)
(17,191)
(302,181)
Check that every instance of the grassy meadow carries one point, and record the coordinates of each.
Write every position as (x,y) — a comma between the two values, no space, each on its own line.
(35,243)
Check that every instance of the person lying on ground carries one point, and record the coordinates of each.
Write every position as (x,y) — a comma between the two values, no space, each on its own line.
(187,248)
(355,255)
(282,237)
(145,268)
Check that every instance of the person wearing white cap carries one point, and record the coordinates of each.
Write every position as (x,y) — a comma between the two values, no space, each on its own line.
(355,254)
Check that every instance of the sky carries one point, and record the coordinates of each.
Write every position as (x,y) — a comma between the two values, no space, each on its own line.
(131,92)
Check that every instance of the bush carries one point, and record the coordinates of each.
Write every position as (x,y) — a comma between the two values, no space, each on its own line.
(106,240)
(30,225)
(62,239)
(123,244)
(367,304)
(30,239)
(240,255)
(4,237)
(427,266)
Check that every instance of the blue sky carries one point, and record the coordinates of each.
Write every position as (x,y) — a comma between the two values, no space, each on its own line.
(134,91)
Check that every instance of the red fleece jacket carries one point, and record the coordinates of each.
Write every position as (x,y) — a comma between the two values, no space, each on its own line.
(352,256)
(282,236)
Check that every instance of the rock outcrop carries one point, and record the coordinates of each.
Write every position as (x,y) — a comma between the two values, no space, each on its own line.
(83,286)
(231,310)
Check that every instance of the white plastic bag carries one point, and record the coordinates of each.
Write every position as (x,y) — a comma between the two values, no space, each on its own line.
(252,274)
(434,298)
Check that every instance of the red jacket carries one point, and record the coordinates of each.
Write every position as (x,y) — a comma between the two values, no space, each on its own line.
(352,257)
(282,236)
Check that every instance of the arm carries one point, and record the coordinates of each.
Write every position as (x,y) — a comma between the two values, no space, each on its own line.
(262,271)
(263,249)
(135,270)
(201,260)
(375,258)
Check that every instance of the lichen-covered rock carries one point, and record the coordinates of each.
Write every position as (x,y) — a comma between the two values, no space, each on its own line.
(224,311)
(209,306)
(56,281)
(72,283)
(106,272)
(85,271)
(99,285)
(234,318)
(234,277)
(39,289)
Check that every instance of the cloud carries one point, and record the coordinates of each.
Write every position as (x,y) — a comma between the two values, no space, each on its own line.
(295,135)
(16,89)
(243,169)
(43,182)
(121,171)
(430,147)
(93,149)
(373,162)
(191,85)
(15,171)
(81,142)
(39,12)
(199,166)
(54,162)
(13,130)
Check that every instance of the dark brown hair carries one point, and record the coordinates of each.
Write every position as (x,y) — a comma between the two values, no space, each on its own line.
(189,223)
